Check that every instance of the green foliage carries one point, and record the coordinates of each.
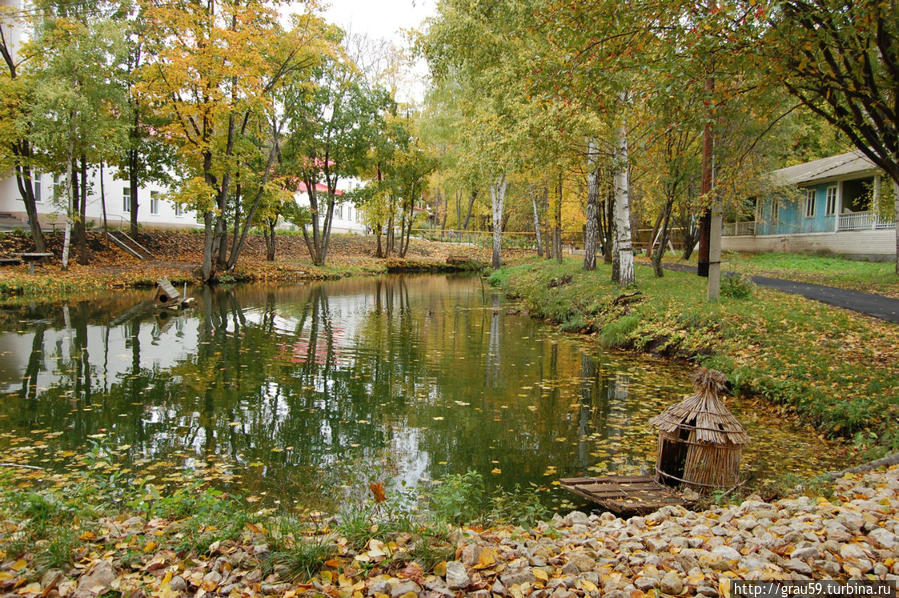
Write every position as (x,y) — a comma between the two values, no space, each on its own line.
(736,286)
(459,498)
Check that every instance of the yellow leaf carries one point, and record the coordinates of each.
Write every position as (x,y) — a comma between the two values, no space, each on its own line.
(541,574)
(487,559)
(496,471)
(19,565)
(724,587)
(32,588)
(440,568)
(587,585)
(149,546)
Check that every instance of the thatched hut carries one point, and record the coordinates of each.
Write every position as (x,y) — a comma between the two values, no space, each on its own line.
(700,441)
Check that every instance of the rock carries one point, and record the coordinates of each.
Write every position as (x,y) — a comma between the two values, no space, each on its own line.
(380,586)
(707,591)
(498,588)
(654,544)
(581,561)
(671,584)
(853,552)
(808,552)
(97,581)
(645,583)
(177,584)
(726,552)
(579,528)
(798,566)
(456,576)
(516,577)
(404,587)
(471,554)
(577,517)
(884,538)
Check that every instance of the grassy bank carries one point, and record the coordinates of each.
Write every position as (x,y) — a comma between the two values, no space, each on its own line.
(832,270)
(837,369)
(176,255)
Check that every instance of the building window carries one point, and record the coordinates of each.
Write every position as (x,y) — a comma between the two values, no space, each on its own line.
(36,185)
(179,211)
(59,188)
(154,202)
(340,212)
(809,203)
(831,207)
(775,211)
(126,199)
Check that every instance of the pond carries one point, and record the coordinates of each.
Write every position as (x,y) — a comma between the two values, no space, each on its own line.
(302,395)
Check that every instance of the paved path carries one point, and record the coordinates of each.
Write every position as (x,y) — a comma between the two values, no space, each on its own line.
(885,308)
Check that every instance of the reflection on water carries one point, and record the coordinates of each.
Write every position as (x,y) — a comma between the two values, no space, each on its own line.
(305,392)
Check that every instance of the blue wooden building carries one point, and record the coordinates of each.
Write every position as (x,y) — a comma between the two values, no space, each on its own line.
(833,205)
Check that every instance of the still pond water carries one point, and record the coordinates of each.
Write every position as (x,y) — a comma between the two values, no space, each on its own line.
(304,394)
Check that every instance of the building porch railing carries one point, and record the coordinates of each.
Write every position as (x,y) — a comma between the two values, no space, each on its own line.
(865,221)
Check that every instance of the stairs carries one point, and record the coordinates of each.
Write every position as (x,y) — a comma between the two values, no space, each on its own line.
(127,244)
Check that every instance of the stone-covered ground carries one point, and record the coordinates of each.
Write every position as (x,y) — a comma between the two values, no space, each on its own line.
(850,534)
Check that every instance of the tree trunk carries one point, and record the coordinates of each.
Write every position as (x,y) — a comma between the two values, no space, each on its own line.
(536,221)
(592,206)
(133,182)
(547,229)
(474,195)
(623,239)
(208,268)
(608,227)
(70,200)
(659,250)
(497,198)
(103,202)
(557,225)
(83,257)
(25,183)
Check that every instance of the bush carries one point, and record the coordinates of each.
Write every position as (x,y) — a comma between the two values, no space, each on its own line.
(736,286)
(460,498)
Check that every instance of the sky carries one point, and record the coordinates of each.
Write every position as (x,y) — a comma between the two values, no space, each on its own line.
(385,19)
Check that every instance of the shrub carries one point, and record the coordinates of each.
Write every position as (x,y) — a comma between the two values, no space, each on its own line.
(736,286)
(459,499)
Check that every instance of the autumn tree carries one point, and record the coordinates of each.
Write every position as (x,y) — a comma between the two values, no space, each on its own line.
(213,78)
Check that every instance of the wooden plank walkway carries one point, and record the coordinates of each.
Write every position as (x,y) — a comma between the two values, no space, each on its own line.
(625,495)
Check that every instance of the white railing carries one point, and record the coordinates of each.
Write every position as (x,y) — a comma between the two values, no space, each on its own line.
(739,229)
(864,221)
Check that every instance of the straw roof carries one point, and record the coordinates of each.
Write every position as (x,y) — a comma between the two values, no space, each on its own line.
(703,413)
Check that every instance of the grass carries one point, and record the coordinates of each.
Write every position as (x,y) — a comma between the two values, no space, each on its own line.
(837,369)
(829,270)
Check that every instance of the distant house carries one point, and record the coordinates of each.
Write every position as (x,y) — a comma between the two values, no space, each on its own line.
(833,205)
(347,217)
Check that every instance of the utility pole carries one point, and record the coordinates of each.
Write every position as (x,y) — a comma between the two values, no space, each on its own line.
(705,223)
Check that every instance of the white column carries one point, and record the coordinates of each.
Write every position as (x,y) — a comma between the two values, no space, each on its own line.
(839,207)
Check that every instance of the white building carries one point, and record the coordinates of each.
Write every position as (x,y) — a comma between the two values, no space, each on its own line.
(347,217)
(153,210)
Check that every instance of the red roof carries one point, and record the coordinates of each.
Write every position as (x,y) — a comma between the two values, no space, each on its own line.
(323,188)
